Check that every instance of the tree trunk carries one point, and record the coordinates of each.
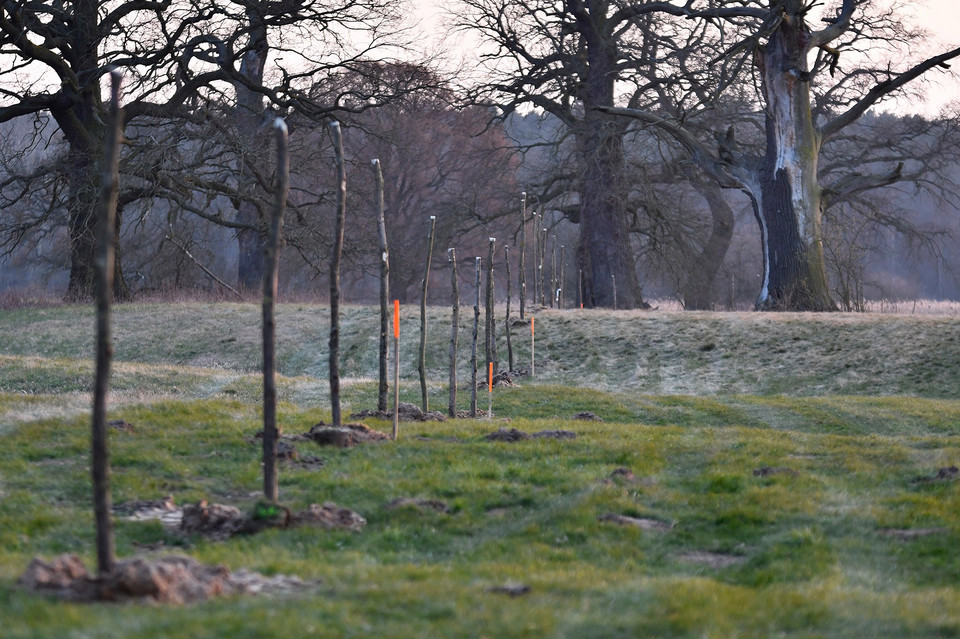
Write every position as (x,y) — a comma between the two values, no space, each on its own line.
(788,200)
(521,275)
(506,320)
(104,211)
(490,317)
(697,289)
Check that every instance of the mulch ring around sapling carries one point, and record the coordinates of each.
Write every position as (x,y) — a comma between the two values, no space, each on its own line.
(420,504)
(172,579)
(222,521)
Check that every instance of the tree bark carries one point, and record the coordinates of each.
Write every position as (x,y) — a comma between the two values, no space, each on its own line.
(506,320)
(788,202)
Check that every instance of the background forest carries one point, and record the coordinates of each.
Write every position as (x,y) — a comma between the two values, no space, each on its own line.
(205,80)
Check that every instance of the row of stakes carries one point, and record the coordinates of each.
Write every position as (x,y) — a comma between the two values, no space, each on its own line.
(396,369)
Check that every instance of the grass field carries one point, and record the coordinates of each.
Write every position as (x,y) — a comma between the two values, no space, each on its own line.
(783,475)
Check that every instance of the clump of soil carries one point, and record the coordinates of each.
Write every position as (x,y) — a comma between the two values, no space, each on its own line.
(643,523)
(503,378)
(175,579)
(344,436)
(407,413)
(587,416)
(948,473)
(623,474)
(507,435)
(512,589)
(422,504)
(219,521)
(768,471)
(120,425)
(287,450)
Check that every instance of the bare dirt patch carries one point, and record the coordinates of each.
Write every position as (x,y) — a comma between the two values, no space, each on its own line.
(172,579)
(514,435)
(587,416)
(345,436)
(406,411)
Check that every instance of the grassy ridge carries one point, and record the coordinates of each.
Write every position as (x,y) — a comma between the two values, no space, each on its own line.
(843,541)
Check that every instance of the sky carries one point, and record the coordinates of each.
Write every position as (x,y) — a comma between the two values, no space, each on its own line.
(940,17)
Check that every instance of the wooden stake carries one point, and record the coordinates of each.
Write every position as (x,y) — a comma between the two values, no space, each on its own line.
(454,331)
(522,277)
(506,263)
(491,322)
(533,343)
(335,274)
(396,369)
(490,391)
(422,353)
(382,390)
(106,214)
(271,432)
(473,350)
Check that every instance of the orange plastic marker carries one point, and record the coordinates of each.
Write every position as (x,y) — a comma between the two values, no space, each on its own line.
(396,319)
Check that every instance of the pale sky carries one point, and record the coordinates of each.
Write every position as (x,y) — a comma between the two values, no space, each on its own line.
(940,17)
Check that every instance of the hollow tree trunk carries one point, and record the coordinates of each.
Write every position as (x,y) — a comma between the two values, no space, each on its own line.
(788,200)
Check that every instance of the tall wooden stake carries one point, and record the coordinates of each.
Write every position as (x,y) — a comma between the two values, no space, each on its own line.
(335,274)
(106,214)
(560,282)
(553,273)
(422,357)
(271,432)
(473,349)
(396,369)
(454,331)
(491,322)
(384,289)
(536,257)
(522,278)
(506,263)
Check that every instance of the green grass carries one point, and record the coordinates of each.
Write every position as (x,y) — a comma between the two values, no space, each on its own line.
(809,553)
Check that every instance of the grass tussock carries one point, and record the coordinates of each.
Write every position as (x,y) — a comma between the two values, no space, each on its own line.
(728,491)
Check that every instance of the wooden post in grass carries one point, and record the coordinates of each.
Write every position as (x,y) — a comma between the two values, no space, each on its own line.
(422,356)
(533,343)
(396,369)
(560,283)
(580,287)
(506,263)
(521,276)
(614,278)
(543,255)
(454,331)
(335,274)
(106,218)
(491,321)
(384,289)
(490,390)
(536,256)
(553,273)
(473,349)
(271,432)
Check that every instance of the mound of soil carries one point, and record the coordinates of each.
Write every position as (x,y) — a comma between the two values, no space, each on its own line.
(948,473)
(623,474)
(512,589)
(507,435)
(219,521)
(587,416)
(344,436)
(407,413)
(174,579)
(330,517)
